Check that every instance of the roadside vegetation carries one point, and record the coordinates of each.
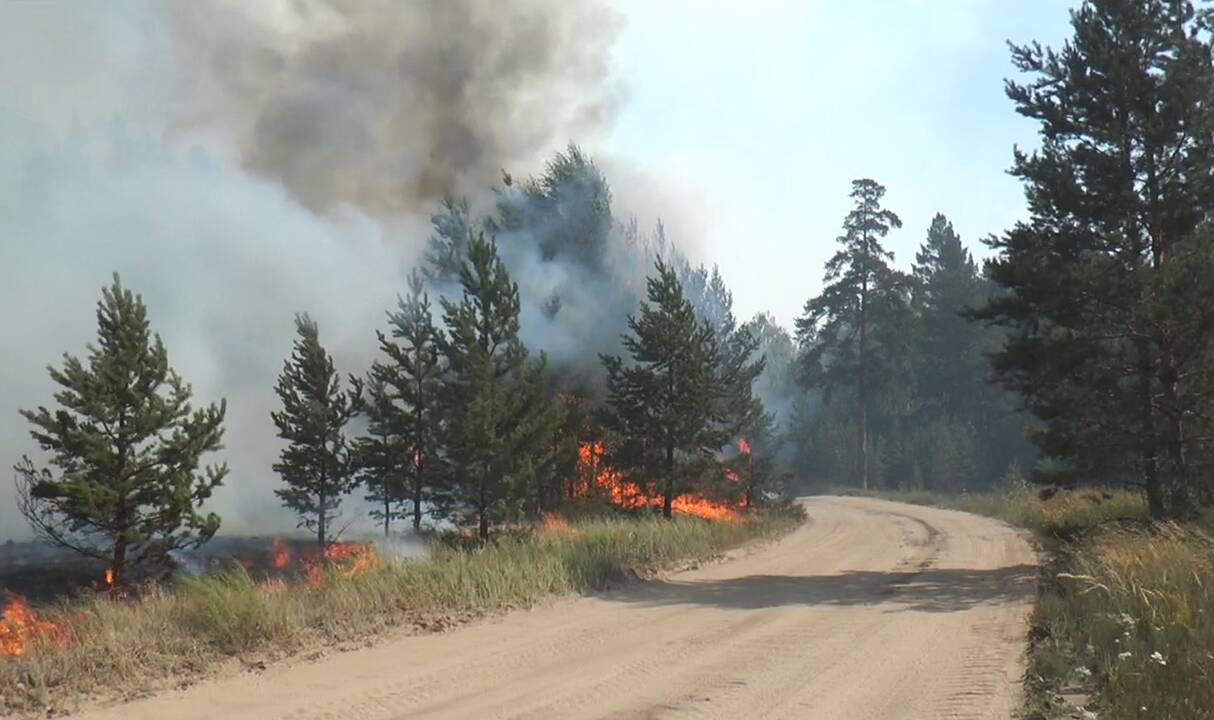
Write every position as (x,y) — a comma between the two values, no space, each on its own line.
(103,646)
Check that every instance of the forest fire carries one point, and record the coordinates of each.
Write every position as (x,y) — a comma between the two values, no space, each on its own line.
(554,523)
(598,479)
(349,558)
(19,625)
(280,552)
(352,559)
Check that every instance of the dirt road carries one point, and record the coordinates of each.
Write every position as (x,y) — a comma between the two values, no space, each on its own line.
(872,610)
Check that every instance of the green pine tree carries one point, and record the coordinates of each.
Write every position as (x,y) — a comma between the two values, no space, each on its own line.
(382,459)
(404,464)
(127,446)
(854,332)
(318,464)
(499,419)
(665,402)
(1123,177)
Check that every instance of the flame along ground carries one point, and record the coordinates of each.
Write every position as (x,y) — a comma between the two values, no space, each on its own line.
(596,478)
(554,523)
(348,558)
(19,626)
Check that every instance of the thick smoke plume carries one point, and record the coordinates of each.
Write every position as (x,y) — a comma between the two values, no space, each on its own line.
(239,162)
(388,105)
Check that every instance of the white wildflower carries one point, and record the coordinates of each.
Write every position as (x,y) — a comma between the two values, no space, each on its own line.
(1158,657)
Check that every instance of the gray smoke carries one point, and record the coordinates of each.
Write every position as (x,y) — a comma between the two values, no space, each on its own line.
(239,162)
(389,105)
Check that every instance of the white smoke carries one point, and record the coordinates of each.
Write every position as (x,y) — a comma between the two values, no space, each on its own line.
(124,147)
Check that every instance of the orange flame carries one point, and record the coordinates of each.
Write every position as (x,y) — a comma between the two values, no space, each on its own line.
(19,624)
(350,559)
(554,523)
(281,552)
(109,577)
(610,483)
(743,446)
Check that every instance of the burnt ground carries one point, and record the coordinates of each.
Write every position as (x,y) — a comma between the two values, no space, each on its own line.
(43,574)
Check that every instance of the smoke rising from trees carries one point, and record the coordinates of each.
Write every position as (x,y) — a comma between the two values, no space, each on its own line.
(237,163)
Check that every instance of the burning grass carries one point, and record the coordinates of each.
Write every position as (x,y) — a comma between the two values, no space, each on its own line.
(113,648)
(598,480)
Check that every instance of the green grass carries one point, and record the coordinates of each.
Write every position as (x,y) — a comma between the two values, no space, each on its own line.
(113,648)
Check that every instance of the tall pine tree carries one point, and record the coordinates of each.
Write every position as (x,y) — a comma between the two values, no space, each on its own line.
(499,420)
(406,421)
(664,403)
(127,445)
(318,464)
(1122,178)
(854,331)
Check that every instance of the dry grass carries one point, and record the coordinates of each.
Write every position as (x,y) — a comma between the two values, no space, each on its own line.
(1134,609)
(113,648)
(1064,516)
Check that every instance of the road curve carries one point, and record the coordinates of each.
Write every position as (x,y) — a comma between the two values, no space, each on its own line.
(873,610)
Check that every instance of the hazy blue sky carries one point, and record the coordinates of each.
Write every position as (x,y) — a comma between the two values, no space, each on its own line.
(761,113)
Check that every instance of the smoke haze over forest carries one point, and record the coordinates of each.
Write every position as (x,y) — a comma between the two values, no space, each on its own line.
(237,163)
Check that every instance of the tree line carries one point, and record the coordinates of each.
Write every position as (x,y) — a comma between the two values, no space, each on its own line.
(896,384)
(1093,317)
(462,423)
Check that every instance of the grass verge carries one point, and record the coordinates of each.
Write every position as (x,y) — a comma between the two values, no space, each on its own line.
(107,648)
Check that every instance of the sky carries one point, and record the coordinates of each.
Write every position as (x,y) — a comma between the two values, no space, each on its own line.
(761,113)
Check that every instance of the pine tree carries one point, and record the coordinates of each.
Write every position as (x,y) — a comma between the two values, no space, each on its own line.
(447,247)
(318,464)
(499,420)
(665,402)
(566,211)
(405,418)
(951,368)
(382,458)
(738,363)
(853,331)
(127,444)
(1122,178)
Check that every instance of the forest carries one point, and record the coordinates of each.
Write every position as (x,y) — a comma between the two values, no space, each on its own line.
(562,397)
(1078,352)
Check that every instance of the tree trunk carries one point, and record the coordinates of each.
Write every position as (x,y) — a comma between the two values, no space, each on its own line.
(1178,486)
(668,497)
(419,430)
(118,565)
(387,515)
(320,521)
(483,510)
(417,502)
(861,389)
(1150,463)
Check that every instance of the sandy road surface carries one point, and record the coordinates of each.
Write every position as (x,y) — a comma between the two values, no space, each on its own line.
(872,610)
